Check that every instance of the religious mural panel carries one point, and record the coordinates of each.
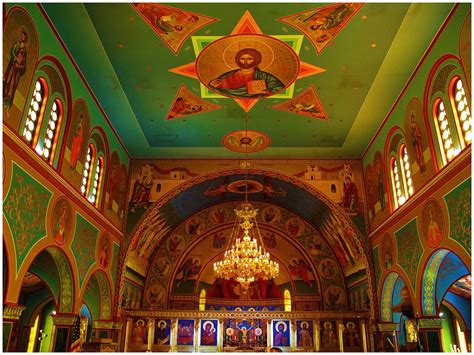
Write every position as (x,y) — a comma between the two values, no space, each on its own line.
(304,334)
(247,66)
(185,332)
(187,104)
(20,53)
(321,25)
(76,143)
(209,332)
(306,104)
(328,336)
(173,25)
(162,332)
(61,221)
(139,332)
(351,337)
(432,223)
(281,333)
(246,141)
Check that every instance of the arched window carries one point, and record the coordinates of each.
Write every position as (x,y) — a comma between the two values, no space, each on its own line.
(94,191)
(287,300)
(398,195)
(202,300)
(86,173)
(52,131)
(35,112)
(462,113)
(406,171)
(443,131)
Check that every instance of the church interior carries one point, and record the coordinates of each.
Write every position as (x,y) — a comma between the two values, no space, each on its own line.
(227,177)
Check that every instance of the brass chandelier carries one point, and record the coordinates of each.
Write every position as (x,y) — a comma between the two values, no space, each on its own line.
(245,258)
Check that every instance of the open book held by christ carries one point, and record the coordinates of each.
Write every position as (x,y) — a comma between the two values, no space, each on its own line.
(257,87)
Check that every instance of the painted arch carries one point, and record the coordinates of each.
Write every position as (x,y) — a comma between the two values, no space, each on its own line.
(281,190)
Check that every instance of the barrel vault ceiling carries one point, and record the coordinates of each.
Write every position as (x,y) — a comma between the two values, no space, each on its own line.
(353,73)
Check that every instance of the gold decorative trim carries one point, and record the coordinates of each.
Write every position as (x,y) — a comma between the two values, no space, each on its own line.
(430,322)
(12,312)
(106,324)
(65,319)
(387,327)
(246,314)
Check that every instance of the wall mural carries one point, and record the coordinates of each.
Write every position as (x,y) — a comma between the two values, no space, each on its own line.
(322,24)
(388,252)
(132,295)
(459,200)
(25,207)
(465,45)
(105,295)
(115,261)
(246,141)
(185,332)
(103,250)
(92,297)
(61,221)
(432,223)
(429,282)
(187,104)
(281,333)
(328,336)
(386,297)
(20,53)
(417,142)
(76,143)
(209,332)
(409,249)
(162,332)
(247,65)
(116,190)
(85,237)
(180,258)
(306,104)
(153,234)
(173,25)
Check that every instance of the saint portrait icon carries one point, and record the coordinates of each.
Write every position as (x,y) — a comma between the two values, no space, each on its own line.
(247,66)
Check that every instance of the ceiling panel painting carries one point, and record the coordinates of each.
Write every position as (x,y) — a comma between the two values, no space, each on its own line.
(136,57)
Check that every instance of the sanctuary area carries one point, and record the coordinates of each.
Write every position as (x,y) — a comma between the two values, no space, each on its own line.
(230,177)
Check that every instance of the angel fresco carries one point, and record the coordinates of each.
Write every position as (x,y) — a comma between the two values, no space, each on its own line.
(299,268)
(15,69)
(188,270)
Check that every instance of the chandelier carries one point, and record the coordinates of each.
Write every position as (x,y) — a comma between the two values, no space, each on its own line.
(246,260)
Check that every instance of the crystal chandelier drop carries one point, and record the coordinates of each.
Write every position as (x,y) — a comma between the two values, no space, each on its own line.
(245,258)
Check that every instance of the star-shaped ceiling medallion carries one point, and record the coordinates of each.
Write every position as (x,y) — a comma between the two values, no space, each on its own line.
(223,64)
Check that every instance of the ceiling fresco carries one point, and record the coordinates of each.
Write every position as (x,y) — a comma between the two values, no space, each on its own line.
(175,79)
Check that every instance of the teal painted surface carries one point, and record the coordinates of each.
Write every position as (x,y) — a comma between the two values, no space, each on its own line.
(84,245)
(50,46)
(409,250)
(24,208)
(459,202)
(92,297)
(446,43)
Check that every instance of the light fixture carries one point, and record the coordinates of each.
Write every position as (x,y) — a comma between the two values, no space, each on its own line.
(245,259)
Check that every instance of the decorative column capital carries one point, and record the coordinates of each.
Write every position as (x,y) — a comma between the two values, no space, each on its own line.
(387,327)
(430,323)
(65,319)
(107,324)
(12,312)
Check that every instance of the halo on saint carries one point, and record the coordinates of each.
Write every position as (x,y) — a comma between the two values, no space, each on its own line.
(278,324)
(160,323)
(304,322)
(208,322)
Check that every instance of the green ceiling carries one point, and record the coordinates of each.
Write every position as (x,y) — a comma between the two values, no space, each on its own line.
(127,66)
